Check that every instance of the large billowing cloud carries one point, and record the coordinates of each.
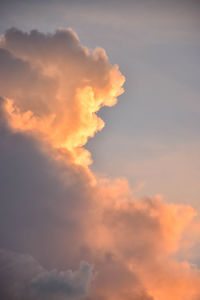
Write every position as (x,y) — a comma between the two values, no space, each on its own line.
(65,84)
(65,233)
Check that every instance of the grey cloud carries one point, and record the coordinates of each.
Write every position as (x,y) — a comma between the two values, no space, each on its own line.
(22,277)
(40,205)
(73,284)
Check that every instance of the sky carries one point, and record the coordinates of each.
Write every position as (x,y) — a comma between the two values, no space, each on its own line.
(99,150)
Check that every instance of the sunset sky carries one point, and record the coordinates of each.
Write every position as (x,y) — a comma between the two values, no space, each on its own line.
(99,150)
(156,45)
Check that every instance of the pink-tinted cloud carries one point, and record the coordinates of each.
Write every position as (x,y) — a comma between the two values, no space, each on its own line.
(56,86)
(51,89)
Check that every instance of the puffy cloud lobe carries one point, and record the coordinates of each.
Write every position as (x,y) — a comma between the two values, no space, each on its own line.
(59,87)
(18,80)
(146,235)
(73,284)
(32,281)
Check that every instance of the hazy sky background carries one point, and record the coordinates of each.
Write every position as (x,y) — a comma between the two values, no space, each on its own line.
(152,134)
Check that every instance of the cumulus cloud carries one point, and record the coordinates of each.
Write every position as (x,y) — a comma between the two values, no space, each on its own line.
(22,277)
(52,206)
(56,86)
(73,284)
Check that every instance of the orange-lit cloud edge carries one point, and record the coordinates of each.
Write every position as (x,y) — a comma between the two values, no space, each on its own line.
(64,86)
